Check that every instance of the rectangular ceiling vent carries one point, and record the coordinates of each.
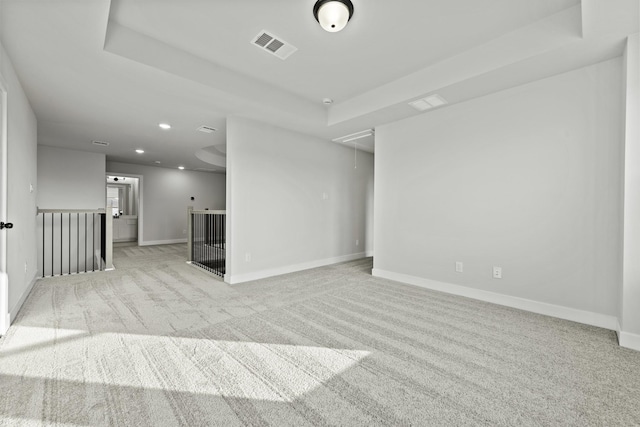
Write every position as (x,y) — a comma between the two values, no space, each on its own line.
(431,101)
(100,143)
(207,129)
(273,44)
(205,170)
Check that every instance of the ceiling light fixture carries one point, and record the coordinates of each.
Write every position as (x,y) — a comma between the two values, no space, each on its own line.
(358,137)
(355,136)
(165,126)
(333,15)
(139,151)
(181,167)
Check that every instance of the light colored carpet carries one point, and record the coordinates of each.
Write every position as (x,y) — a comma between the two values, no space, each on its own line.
(159,343)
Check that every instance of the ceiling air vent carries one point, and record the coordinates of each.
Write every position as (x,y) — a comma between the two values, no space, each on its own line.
(207,129)
(273,44)
(428,103)
(100,143)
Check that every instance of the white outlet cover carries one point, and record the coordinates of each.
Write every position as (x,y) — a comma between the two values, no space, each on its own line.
(459,267)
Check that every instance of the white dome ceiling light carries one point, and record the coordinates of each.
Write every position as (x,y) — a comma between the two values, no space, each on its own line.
(333,15)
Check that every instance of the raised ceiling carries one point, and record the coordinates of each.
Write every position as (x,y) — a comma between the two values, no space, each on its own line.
(112,70)
(385,40)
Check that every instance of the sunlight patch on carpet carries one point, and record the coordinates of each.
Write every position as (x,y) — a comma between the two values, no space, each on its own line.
(238,369)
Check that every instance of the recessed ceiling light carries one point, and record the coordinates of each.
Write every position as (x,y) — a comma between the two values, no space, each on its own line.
(139,151)
(327,101)
(181,167)
(165,126)
(157,162)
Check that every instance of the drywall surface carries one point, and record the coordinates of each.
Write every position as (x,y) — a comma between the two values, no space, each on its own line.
(295,201)
(22,158)
(165,195)
(70,179)
(528,179)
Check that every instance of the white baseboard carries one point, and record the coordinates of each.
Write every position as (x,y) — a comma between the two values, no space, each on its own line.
(627,339)
(561,312)
(161,242)
(16,308)
(8,323)
(263,274)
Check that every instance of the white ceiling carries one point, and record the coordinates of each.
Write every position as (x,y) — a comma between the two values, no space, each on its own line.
(112,70)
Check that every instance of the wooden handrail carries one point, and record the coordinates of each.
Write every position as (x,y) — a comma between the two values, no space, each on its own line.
(98,211)
(208,212)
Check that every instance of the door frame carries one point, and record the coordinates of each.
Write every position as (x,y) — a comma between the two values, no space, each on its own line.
(4,186)
(140,191)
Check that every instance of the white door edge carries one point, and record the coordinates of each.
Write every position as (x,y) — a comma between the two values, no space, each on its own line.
(4,278)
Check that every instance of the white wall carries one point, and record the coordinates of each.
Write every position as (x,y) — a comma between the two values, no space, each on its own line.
(22,158)
(70,179)
(280,220)
(629,330)
(166,194)
(370,191)
(528,179)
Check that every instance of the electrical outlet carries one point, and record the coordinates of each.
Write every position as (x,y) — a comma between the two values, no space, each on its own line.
(357,242)
(25,266)
(247,257)
(325,196)
(30,188)
(459,267)
(184,231)
(497,272)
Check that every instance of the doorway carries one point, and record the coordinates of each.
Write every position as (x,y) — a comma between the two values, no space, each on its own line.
(123,204)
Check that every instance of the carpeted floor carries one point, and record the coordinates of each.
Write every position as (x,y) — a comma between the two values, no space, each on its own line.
(160,343)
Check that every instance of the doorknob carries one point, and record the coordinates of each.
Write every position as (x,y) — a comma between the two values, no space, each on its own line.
(5,225)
